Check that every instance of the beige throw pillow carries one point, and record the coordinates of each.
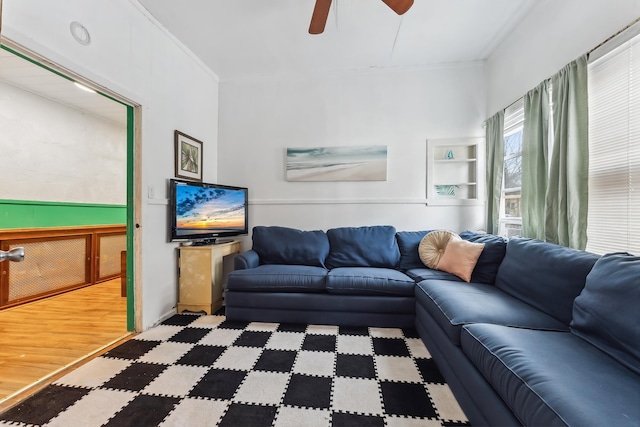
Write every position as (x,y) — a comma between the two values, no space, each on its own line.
(432,246)
(460,258)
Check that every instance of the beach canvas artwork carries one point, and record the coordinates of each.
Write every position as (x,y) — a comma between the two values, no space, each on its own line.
(353,163)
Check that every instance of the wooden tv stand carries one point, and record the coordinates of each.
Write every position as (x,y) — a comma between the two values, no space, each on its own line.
(201,277)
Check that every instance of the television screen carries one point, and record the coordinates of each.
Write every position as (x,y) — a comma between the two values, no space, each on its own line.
(201,211)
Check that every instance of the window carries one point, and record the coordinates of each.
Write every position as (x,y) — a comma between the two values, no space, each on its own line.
(510,216)
(614,146)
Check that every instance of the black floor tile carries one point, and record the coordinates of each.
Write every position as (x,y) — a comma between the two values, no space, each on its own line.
(406,400)
(276,361)
(132,349)
(390,347)
(135,377)
(180,319)
(429,370)
(308,391)
(252,339)
(44,406)
(410,333)
(190,335)
(353,330)
(233,324)
(292,327)
(218,384)
(240,414)
(319,342)
(144,410)
(339,419)
(202,355)
(355,365)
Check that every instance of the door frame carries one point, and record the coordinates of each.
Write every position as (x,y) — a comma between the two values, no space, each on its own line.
(134,176)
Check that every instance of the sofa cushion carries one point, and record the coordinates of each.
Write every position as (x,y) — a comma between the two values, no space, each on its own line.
(374,246)
(282,245)
(606,313)
(424,273)
(408,242)
(547,276)
(460,258)
(454,304)
(369,281)
(553,378)
(281,278)
(491,257)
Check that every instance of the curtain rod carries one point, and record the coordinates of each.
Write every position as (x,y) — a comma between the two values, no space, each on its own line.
(614,35)
(634,22)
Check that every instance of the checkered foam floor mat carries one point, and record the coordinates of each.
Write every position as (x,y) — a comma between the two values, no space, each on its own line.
(197,370)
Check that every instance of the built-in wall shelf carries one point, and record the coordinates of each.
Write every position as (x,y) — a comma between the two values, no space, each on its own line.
(453,168)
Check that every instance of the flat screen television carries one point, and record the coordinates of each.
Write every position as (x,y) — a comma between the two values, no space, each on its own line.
(207,213)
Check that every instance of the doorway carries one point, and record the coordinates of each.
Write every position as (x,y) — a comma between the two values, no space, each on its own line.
(47,82)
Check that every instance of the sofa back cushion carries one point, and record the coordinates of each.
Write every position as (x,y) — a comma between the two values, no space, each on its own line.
(408,242)
(607,311)
(486,268)
(547,276)
(282,245)
(374,246)
(491,257)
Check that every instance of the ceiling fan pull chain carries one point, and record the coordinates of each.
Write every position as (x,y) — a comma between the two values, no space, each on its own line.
(395,40)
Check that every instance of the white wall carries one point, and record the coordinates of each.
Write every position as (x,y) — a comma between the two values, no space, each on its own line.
(400,108)
(132,56)
(51,152)
(552,35)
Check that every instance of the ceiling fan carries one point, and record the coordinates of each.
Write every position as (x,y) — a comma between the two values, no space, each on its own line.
(321,12)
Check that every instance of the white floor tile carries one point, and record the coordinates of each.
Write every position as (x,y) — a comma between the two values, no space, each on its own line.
(396,368)
(357,395)
(176,380)
(238,358)
(349,344)
(166,352)
(94,373)
(319,363)
(196,412)
(285,341)
(262,388)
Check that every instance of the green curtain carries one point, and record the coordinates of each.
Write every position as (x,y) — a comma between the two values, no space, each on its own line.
(495,167)
(567,189)
(535,163)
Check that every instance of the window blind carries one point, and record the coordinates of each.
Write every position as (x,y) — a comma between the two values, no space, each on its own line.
(614,157)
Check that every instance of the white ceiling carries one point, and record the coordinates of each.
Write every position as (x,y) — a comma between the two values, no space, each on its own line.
(240,39)
(257,38)
(28,76)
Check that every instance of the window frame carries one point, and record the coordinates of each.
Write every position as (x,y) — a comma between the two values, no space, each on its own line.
(514,123)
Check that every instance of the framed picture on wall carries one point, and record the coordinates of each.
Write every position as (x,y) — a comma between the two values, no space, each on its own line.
(188,157)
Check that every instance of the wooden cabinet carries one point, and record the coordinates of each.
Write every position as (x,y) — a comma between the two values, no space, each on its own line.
(201,276)
(455,171)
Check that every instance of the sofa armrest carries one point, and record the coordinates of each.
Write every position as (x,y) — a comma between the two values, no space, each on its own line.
(246,260)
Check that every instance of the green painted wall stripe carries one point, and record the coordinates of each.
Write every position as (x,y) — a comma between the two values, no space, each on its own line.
(36,214)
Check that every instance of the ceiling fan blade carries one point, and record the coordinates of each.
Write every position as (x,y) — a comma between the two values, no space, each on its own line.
(399,6)
(319,17)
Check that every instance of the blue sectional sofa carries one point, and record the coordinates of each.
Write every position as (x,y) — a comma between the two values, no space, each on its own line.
(346,276)
(542,335)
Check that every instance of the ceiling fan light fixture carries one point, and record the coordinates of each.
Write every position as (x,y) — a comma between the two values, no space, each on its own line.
(80,33)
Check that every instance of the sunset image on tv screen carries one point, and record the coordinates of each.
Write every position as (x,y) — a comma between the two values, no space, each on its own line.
(209,210)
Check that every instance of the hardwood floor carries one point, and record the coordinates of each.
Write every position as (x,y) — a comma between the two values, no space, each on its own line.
(39,340)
